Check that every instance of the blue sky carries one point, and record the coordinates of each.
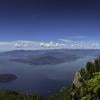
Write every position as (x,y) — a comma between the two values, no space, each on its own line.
(49,20)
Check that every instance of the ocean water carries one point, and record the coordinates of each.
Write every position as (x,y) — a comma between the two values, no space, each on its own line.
(40,80)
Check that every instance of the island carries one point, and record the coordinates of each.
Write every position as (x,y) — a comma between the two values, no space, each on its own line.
(42,57)
(7,78)
(45,60)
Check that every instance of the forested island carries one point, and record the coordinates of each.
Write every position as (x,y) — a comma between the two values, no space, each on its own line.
(7,78)
(44,60)
(46,57)
(85,86)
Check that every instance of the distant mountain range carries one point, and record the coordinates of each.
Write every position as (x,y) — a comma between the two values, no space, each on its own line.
(52,52)
(43,57)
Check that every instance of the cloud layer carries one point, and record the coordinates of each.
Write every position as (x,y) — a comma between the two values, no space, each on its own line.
(81,44)
(28,45)
(34,45)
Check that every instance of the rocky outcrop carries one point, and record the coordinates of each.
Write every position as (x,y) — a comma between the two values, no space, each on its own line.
(76,81)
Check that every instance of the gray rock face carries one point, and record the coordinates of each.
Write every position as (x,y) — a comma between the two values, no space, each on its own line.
(76,81)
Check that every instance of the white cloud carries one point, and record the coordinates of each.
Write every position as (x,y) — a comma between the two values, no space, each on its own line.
(66,40)
(77,37)
(34,45)
(81,44)
(29,45)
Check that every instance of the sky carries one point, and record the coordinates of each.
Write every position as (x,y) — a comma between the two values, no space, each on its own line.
(50,20)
